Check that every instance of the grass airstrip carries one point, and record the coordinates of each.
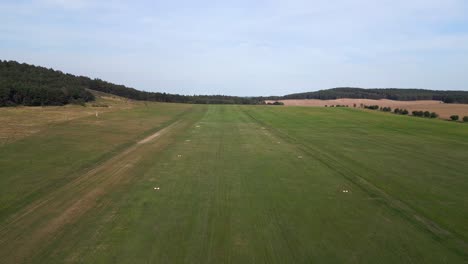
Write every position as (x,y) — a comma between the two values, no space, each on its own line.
(178,183)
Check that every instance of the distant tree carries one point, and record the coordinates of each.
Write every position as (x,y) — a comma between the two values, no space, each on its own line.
(397,111)
(386,109)
(278,103)
(465,119)
(418,113)
(372,107)
(454,117)
(434,115)
(427,114)
(404,112)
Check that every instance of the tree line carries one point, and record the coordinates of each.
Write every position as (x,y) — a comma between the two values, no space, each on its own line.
(416,113)
(24,84)
(387,93)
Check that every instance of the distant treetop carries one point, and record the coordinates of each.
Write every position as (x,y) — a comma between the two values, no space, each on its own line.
(386,93)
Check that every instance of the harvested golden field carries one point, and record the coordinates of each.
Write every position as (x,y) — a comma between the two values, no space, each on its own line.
(444,110)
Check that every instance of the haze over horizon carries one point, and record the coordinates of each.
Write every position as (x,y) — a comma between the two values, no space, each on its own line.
(244,48)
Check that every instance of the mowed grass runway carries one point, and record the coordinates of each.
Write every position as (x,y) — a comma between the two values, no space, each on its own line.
(237,184)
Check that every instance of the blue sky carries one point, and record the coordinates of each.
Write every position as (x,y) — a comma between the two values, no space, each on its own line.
(266,47)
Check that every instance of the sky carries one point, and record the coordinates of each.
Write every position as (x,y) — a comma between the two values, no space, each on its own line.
(244,47)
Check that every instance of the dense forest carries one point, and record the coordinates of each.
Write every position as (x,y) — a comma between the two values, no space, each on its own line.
(388,93)
(24,84)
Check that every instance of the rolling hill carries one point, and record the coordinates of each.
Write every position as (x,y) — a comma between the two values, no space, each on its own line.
(30,85)
(387,93)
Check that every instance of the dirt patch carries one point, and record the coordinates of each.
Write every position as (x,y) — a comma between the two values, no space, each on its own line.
(442,109)
(157,134)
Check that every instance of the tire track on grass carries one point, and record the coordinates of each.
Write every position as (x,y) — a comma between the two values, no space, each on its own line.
(440,234)
(33,228)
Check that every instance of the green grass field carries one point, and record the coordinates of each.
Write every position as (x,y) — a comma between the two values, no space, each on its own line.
(237,184)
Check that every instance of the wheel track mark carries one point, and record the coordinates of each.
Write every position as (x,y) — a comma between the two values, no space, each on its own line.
(92,185)
(440,234)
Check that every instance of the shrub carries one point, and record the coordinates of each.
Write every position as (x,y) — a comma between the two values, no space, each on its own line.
(278,103)
(465,119)
(418,113)
(78,101)
(397,111)
(99,105)
(372,107)
(427,114)
(454,117)
(434,115)
(387,109)
(404,112)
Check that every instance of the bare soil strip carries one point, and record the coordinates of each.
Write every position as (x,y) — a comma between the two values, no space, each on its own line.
(37,224)
(157,134)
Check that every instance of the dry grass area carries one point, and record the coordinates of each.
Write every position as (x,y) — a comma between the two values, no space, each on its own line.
(444,110)
(20,122)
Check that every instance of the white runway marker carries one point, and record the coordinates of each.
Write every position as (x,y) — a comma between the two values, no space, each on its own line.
(156,188)
(299,157)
